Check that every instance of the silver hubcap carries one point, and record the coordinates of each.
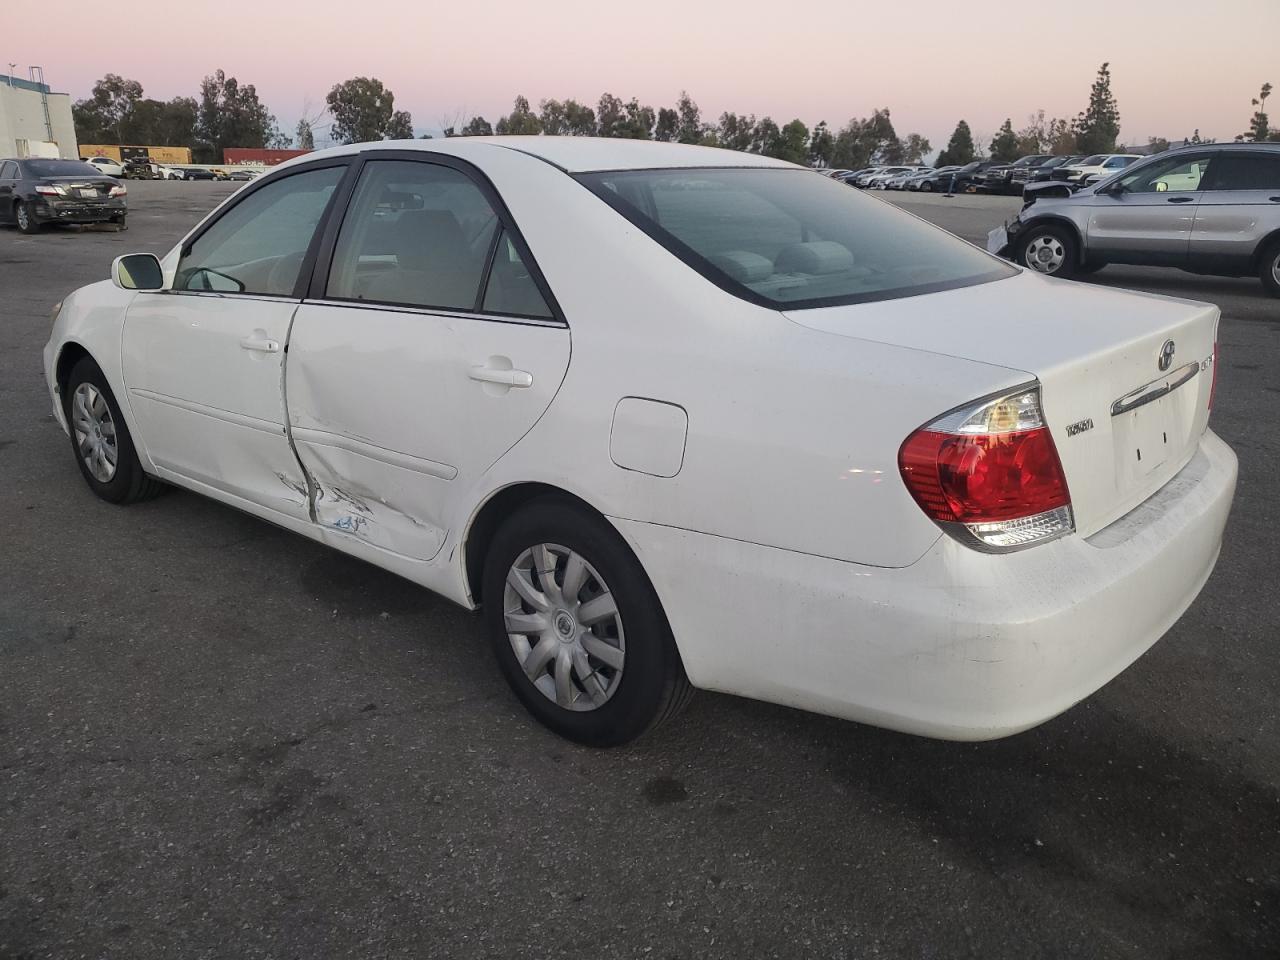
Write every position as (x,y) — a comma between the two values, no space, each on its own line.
(23,222)
(95,431)
(1045,253)
(1275,269)
(564,627)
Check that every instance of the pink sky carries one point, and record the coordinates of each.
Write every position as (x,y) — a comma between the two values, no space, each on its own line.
(1174,69)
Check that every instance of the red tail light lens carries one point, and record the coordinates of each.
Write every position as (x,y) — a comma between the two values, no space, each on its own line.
(990,473)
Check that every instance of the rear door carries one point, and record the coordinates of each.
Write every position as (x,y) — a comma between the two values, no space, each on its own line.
(204,358)
(1241,206)
(429,347)
(8,181)
(1149,220)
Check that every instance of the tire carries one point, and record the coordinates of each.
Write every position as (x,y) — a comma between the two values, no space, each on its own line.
(926,187)
(1269,269)
(122,223)
(23,218)
(634,678)
(125,482)
(1060,258)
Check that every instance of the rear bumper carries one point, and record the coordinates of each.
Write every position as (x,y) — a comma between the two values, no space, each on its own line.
(72,211)
(960,645)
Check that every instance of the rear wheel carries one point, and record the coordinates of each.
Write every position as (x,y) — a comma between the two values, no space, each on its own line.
(100,439)
(926,187)
(22,216)
(122,224)
(1050,250)
(1269,269)
(577,628)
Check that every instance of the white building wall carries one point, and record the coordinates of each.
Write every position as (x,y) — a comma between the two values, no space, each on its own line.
(22,118)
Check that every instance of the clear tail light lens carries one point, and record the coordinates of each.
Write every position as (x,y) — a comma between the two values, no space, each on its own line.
(50,191)
(118,191)
(989,473)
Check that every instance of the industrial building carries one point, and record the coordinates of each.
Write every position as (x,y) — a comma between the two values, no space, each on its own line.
(34,121)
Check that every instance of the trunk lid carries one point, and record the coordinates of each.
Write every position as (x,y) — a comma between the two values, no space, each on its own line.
(90,188)
(1122,425)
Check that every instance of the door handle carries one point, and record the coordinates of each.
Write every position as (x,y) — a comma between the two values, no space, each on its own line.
(260,344)
(505,378)
(1274,199)
(1181,199)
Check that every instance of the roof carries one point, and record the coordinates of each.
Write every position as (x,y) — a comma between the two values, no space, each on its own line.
(577,154)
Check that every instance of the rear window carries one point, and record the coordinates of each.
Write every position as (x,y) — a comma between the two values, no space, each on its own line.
(789,241)
(59,168)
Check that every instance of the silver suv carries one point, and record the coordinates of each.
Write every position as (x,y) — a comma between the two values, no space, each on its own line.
(1211,209)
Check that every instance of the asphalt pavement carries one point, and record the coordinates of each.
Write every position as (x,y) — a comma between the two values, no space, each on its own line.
(218,739)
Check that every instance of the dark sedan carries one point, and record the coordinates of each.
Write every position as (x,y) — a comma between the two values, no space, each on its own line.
(1000,178)
(965,179)
(36,192)
(197,173)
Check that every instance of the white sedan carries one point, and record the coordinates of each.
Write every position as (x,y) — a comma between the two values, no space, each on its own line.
(106,166)
(676,417)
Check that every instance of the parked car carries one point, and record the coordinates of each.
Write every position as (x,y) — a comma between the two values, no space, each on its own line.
(34,192)
(918,181)
(848,177)
(1103,163)
(168,173)
(243,174)
(899,181)
(963,179)
(140,168)
(999,178)
(876,181)
(1210,209)
(636,521)
(197,173)
(1042,171)
(105,166)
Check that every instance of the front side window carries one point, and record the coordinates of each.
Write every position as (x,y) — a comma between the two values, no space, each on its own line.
(1246,171)
(786,240)
(1172,174)
(416,234)
(259,244)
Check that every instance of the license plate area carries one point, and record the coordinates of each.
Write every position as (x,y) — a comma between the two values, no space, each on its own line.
(87,193)
(1144,439)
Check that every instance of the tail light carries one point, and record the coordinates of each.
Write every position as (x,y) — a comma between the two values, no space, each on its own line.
(118,191)
(989,474)
(50,190)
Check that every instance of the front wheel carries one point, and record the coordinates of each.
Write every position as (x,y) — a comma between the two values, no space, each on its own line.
(1269,271)
(26,222)
(926,187)
(100,439)
(1050,250)
(577,628)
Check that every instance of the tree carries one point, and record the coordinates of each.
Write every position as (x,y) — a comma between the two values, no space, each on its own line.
(100,118)
(689,127)
(1004,145)
(630,120)
(735,132)
(305,135)
(668,122)
(230,115)
(959,149)
(821,145)
(477,127)
(1156,145)
(915,148)
(869,140)
(521,121)
(363,109)
(160,123)
(1098,126)
(400,126)
(791,143)
(1259,124)
(1062,139)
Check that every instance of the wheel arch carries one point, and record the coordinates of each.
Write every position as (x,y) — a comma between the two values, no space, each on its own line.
(1265,245)
(488,517)
(71,353)
(1058,220)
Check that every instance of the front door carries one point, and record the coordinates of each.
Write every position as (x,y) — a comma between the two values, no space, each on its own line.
(1241,206)
(431,348)
(1148,218)
(204,358)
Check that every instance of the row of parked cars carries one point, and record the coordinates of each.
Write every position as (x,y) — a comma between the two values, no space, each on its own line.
(988,176)
(144,169)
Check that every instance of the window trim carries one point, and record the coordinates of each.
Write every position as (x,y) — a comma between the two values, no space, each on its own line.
(317,291)
(702,266)
(340,191)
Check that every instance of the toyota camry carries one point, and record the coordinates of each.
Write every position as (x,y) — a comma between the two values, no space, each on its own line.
(673,418)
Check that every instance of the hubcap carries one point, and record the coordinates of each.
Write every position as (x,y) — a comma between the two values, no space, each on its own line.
(564,627)
(1045,254)
(1275,269)
(95,431)
(22,217)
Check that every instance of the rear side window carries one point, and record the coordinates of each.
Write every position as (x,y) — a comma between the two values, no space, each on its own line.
(511,288)
(59,168)
(1246,171)
(259,244)
(415,234)
(8,170)
(786,240)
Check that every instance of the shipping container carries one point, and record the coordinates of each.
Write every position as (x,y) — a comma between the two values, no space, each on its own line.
(165,155)
(264,158)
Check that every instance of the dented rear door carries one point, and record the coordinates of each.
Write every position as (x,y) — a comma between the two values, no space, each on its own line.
(394,413)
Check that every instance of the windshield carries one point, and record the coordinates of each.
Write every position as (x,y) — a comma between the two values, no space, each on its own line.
(1093,161)
(59,168)
(782,240)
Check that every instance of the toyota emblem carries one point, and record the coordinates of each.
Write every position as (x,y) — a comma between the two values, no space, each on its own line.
(1166,355)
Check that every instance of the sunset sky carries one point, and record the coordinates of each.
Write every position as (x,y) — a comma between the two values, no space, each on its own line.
(1176,65)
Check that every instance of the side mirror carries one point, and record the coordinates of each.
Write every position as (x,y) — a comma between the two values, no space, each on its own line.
(137,271)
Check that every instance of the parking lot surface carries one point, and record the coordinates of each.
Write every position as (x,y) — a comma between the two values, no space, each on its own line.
(221,740)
